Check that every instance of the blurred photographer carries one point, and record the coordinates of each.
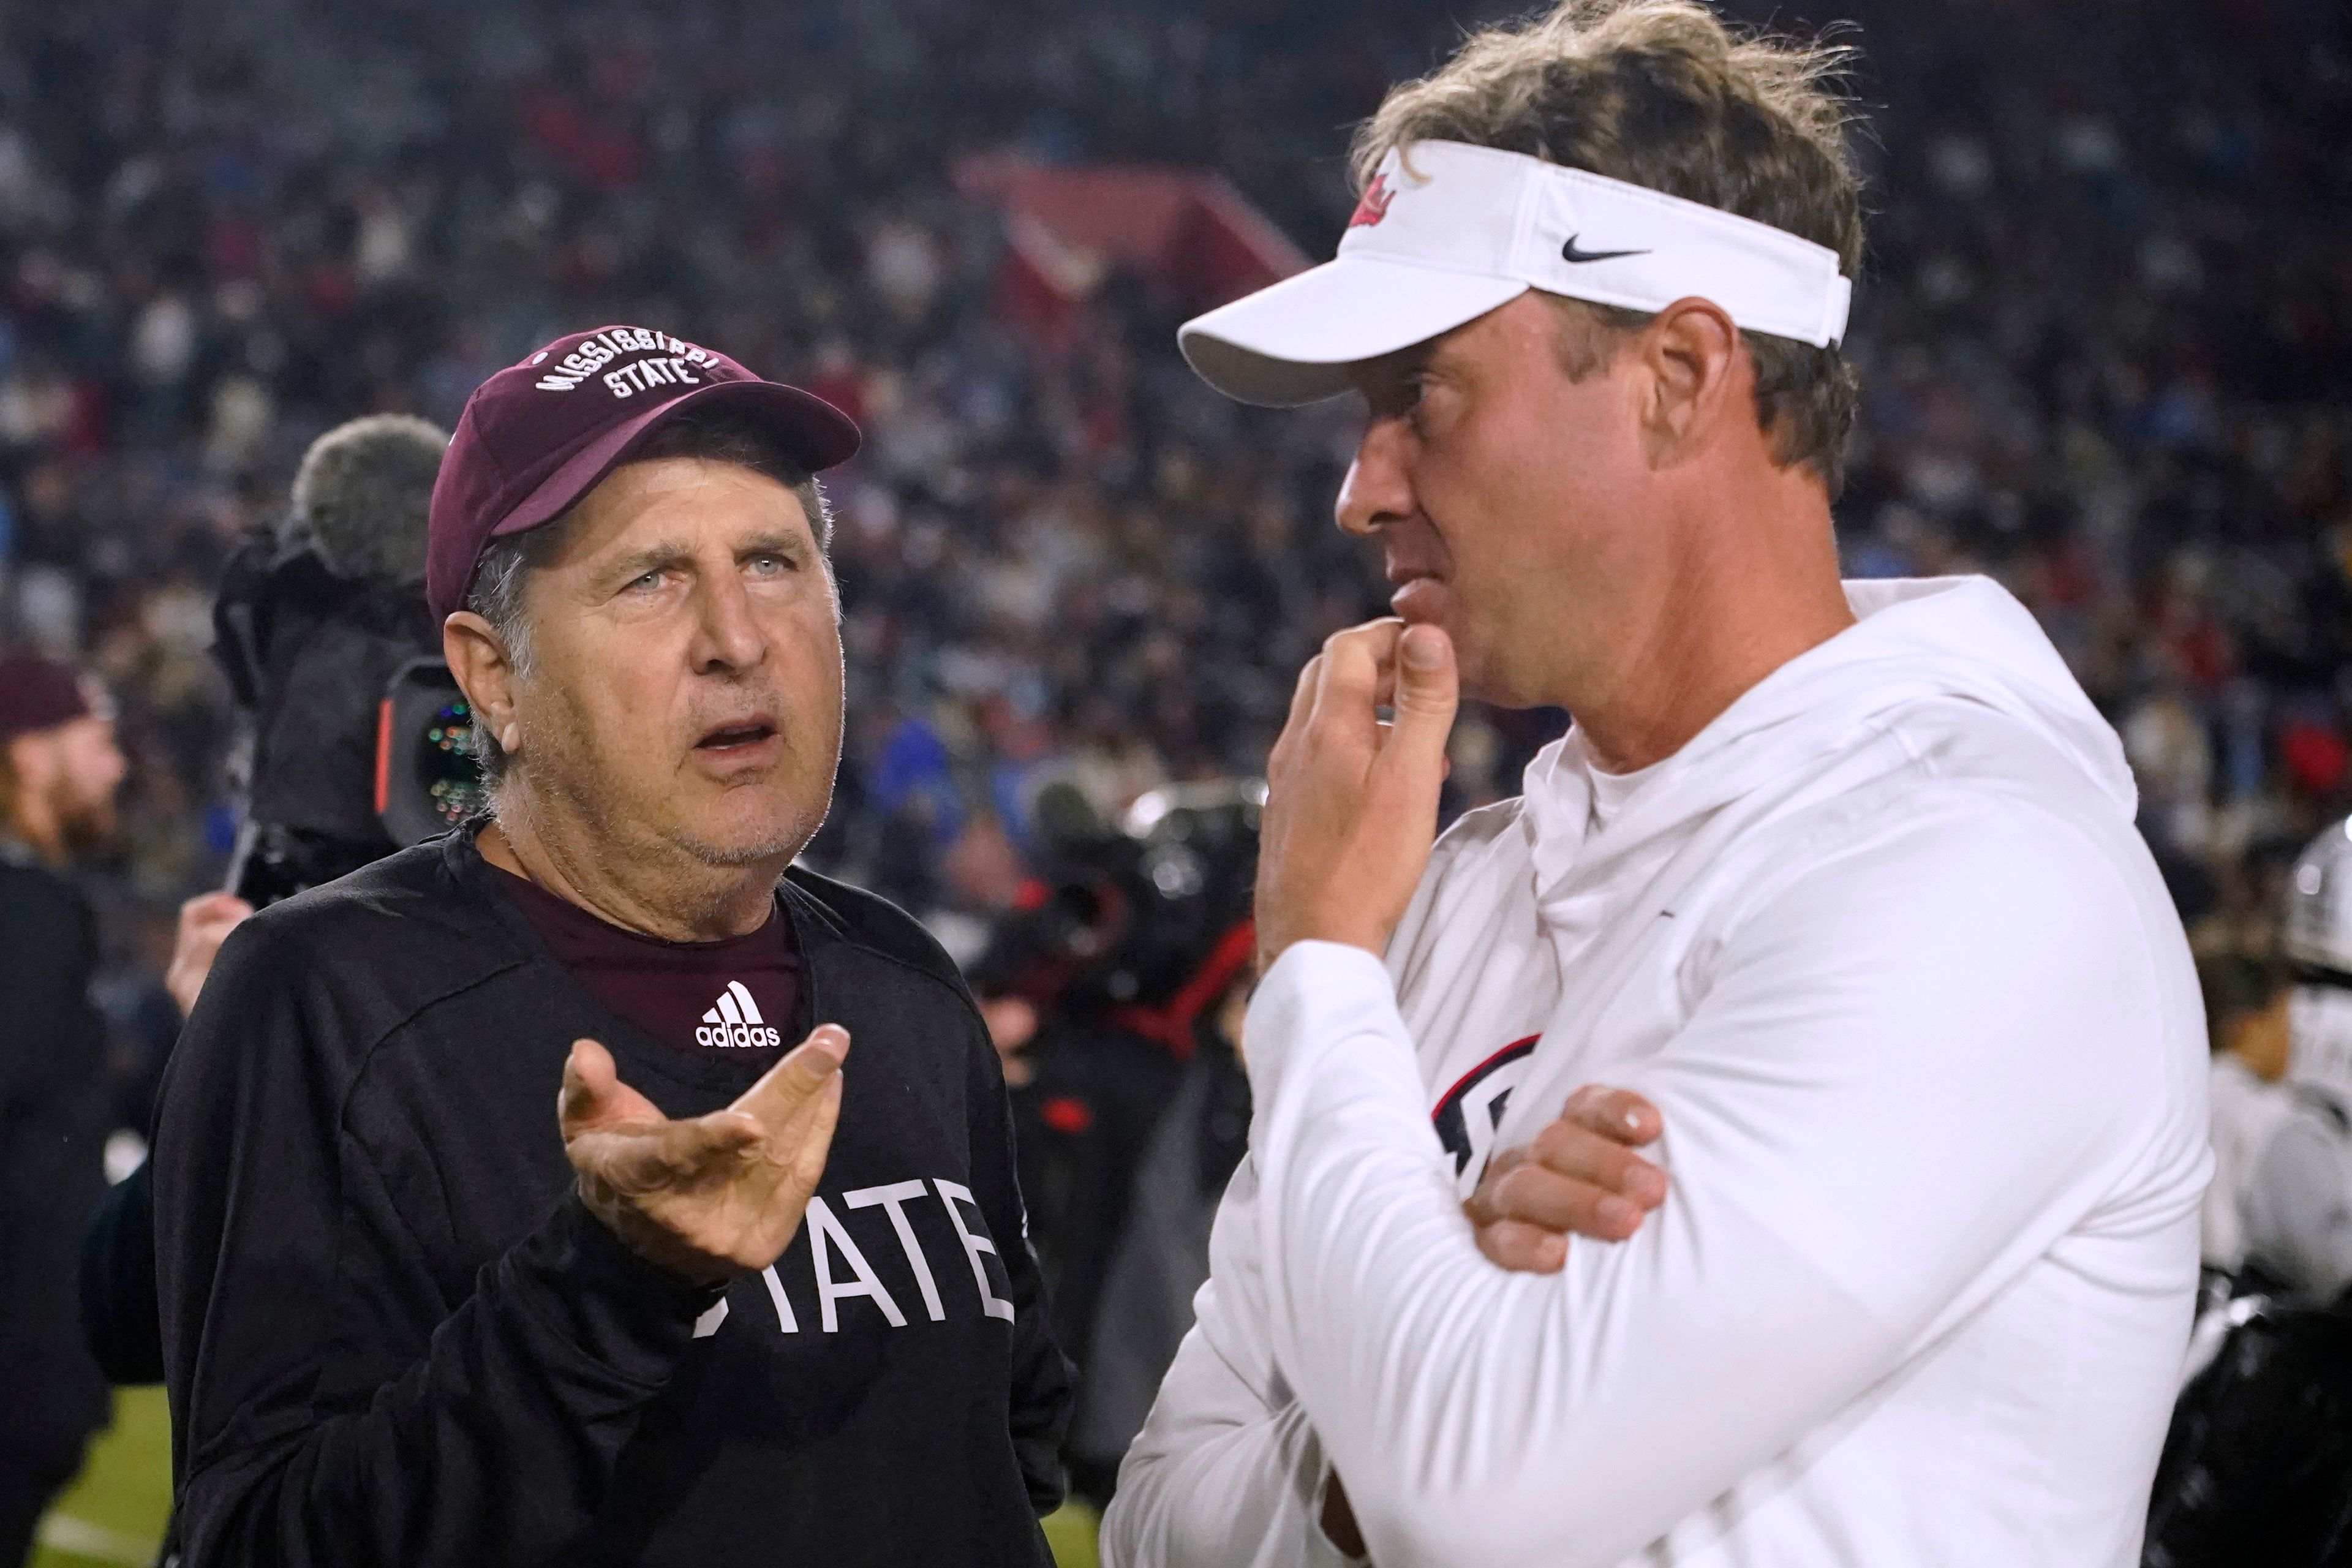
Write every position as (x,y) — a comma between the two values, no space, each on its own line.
(2257,1465)
(1110,993)
(321,630)
(2296,1203)
(59,768)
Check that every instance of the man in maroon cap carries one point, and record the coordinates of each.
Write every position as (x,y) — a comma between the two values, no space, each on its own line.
(731,1302)
(58,771)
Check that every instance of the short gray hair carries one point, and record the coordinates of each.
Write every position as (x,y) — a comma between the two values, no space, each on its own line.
(718,435)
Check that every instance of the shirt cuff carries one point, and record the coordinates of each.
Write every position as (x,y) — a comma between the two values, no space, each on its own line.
(1322,997)
(615,1308)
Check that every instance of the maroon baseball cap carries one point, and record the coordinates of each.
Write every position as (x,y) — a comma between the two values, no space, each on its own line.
(38,694)
(539,435)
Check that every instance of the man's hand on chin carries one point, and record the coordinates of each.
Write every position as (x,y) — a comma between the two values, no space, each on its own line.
(1352,803)
(712,1197)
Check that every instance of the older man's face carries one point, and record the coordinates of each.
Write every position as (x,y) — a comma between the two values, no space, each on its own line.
(685,688)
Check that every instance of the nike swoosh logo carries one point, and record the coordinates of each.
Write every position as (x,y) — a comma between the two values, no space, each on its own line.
(1569,252)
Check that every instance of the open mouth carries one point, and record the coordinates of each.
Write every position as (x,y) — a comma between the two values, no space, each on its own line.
(735,737)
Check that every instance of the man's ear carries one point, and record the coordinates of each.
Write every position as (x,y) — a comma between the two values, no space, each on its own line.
(478,656)
(1697,368)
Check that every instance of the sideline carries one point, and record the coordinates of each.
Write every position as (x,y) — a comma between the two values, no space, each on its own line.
(63,1532)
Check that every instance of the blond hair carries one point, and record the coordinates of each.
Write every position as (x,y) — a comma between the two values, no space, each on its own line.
(1662,93)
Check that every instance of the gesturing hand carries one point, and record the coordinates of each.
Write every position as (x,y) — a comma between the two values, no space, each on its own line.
(715,1195)
(1351,804)
(205,922)
(1580,1178)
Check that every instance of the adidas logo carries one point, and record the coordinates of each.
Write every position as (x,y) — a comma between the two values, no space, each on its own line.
(736,1021)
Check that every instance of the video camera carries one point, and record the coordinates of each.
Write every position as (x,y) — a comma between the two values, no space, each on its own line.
(361,740)
(1136,918)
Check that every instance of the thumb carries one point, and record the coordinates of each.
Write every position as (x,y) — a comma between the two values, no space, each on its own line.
(590,1083)
(1428,691)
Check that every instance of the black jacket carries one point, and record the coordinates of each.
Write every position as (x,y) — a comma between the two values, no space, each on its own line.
(53,1124)
(2257,1466)
(394,1337)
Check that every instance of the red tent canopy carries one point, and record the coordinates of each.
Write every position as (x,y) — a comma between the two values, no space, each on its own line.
(1065,228)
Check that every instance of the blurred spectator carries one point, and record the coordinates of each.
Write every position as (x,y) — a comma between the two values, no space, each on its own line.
(2296,1201)
(58,772)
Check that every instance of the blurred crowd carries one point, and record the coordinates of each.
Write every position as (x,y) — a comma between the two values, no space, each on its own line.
(2103,332)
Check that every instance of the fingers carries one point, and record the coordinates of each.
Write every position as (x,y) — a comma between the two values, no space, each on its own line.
(588,1076)
(1522,1247)
(811,1141)
(647,1157)
(1412,670)
(208,910)
(1618,1114)
(1564,1206)
(1302,707)
(1352,670)
(785,1088)
(1427,693)
(593,1095)
(1569,1148)
(1573,1181)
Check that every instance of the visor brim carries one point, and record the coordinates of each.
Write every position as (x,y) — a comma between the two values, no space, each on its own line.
(1293,341)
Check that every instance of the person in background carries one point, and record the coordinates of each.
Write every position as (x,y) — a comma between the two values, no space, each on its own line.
(59,768)
(2246,1024)
(119,1314)
(1130,1107)
(2296,1206)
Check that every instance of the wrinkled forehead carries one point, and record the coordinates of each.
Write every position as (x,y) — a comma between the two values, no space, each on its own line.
(687,504)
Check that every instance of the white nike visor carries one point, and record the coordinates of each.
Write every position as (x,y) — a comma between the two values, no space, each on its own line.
(1446,232)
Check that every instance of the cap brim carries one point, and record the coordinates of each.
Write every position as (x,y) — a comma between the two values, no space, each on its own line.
(814,432)
(1293,341)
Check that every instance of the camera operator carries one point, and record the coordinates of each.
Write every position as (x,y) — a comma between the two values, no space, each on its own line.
(315,623)
(1128,1101)
(59,768)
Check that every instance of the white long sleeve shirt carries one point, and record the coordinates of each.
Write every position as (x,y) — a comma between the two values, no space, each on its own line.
(1884,949)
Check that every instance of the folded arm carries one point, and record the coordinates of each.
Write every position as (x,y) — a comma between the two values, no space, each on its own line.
(1854,1166)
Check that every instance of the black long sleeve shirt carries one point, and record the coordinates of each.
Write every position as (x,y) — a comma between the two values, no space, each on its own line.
(53,1123)
(392,1336)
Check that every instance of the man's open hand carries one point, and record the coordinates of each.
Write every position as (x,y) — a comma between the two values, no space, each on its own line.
(1580,1178)
(1351,804)
(716,1195)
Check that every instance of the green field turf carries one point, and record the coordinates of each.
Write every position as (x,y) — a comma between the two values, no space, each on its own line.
(112,1516)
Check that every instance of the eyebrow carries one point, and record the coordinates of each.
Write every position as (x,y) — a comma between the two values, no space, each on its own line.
(670,551)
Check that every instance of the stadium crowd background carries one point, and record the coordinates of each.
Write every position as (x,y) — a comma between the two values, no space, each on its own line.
(2103,332)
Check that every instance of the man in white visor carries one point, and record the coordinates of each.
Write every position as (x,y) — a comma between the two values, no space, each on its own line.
(1840,879)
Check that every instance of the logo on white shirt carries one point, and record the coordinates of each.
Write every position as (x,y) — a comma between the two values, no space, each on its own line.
(1466,1117)
(734,1020)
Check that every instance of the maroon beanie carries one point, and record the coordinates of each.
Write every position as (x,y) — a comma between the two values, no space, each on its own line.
(38,694)
(539,435)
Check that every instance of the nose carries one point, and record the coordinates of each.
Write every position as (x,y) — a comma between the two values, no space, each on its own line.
(1376,491)
(728,637)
